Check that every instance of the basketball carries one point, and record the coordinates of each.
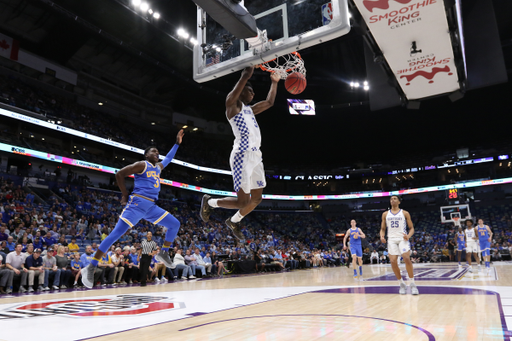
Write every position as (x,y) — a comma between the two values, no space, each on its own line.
(295,83)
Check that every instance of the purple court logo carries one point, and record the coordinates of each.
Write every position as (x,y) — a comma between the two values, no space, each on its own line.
(427,274)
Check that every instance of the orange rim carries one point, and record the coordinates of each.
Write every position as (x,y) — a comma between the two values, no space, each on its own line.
(293,68)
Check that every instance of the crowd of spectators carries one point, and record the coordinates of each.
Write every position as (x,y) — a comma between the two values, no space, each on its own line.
(53,241)
(44,244)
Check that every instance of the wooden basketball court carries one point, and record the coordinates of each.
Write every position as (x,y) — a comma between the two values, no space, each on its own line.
(316,304)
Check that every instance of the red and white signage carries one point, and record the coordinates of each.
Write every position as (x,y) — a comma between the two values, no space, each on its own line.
(414,38)
(9,47)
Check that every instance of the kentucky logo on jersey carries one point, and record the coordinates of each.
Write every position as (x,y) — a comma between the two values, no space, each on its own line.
(121,305)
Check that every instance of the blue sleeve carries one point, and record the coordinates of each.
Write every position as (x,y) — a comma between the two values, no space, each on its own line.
(29,262)
(170,155)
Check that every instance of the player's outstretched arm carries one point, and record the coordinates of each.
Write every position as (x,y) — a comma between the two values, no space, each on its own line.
(168,158)
(383,227)
(137,167)
(345,239)
(410,225)
(269,102)
(234,95)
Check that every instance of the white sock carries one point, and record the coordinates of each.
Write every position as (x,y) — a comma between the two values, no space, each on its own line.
(401,281)
(213,203)
(237,217)
(411,280)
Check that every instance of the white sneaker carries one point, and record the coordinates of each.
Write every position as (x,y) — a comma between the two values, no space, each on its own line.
(55,287)
(470,269)
(63,287)
(30,289)
(192,277)
(157,280)
(46,289)
(22,289)
(414,289)
(183,277)
(163,280)
(403,289)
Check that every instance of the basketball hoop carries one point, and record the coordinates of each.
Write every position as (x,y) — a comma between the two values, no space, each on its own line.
(456,221)
(285,65)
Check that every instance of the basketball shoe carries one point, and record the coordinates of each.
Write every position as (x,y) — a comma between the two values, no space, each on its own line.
(206,209)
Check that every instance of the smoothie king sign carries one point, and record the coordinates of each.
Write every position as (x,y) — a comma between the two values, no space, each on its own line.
(414,37)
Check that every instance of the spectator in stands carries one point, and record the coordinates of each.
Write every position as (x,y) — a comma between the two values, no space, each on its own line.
(16,262)
(34,264)
(260,263)
(201,262)
(48,239)
(118,260)
(217,263)
(3,234)
(415,258)
(73,246)
(51,270)
(375,255)
(191,261)
(76,266)
(108,270)
(179,263)
(63,263)
(384,257)
(11,245)
(134,257)
(6,277)
(159,268)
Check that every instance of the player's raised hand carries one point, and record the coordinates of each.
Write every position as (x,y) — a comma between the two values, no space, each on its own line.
(179,137)
(274,77)
(247,72)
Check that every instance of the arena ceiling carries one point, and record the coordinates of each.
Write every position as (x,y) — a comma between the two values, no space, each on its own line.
(108,40)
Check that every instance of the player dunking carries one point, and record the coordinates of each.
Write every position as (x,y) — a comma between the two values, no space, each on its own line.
(485,236)
(471,245)
(356,248)
(246,160)
(396,221)
(141,205)
(461,243)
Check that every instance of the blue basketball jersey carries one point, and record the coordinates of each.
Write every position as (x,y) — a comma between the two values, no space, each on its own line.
(355,240)
(483,234)
(147,183)
(460,238)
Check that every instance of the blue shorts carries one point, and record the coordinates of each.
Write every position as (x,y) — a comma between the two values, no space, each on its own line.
(485,248)
(461,247)
(356,250)
(138,208)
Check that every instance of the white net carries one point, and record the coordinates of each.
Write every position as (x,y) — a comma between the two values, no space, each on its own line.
(285,65)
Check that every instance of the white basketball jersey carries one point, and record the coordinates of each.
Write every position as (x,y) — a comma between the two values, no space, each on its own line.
(246,130)
(470,234)
(396,224)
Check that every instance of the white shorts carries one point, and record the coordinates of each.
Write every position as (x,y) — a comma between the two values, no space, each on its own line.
(247,170)
(396,247)
(471,247)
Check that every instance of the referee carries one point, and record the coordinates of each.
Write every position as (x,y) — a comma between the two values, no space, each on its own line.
(148,251)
